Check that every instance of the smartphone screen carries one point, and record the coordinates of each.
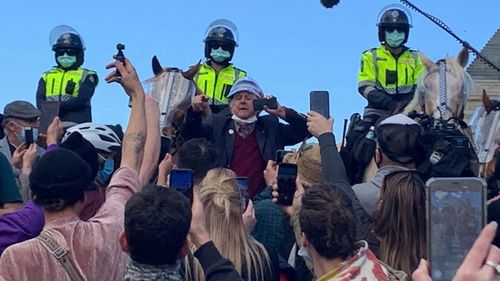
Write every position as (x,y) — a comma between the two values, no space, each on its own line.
(280,154)
(28,134)
(455,216)
(320,102)
(287,173)
(258,104)
(243,185)
(49,110)
(182,181)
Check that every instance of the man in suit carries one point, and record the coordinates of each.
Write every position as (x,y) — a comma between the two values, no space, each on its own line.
(244,140)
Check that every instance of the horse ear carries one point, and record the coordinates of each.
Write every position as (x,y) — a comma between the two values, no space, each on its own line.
(487,102)
(425,60)
(157,69)
(463,56)
(191,72)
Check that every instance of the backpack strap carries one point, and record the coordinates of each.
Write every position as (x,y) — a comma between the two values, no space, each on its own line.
(61,255)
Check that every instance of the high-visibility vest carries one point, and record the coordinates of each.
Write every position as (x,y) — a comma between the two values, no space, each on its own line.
(217,85)
(57,79)
(378,62)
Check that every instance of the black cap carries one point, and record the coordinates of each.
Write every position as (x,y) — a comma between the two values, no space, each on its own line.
(398,138)
(60,174)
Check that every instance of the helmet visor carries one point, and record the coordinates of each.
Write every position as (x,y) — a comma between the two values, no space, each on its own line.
(226,24)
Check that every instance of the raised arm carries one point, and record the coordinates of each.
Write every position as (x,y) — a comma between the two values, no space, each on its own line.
(152,145)
(135,135)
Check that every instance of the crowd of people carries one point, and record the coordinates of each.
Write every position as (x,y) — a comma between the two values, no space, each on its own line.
(85,201)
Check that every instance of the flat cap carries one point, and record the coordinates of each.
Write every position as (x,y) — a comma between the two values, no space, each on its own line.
(21,110)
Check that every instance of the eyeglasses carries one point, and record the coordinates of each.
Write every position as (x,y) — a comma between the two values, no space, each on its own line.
(217,45)
(394,28)
(69,52)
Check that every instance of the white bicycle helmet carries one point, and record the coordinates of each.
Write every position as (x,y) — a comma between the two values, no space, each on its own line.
(101,136)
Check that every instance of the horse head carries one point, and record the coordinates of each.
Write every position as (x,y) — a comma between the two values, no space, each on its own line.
(173,89)
(443,88)
(485,127)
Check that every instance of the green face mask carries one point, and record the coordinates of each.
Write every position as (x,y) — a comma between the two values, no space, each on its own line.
(219,55)
(395,38)
(66,61)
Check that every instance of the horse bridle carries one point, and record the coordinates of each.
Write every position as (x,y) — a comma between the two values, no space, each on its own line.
(443,107)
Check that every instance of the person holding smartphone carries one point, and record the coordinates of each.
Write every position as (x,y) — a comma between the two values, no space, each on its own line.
(244,140)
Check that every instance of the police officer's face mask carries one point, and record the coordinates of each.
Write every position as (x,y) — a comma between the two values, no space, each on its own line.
(66,60)
(394,38)
(219,55)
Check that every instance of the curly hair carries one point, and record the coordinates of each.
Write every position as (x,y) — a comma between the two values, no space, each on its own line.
(328,222)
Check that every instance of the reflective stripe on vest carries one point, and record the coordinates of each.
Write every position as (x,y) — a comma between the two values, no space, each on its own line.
(56,83)
(408,67)
(217,85)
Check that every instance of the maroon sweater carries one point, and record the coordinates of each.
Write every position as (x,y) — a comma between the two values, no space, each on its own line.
(247,161)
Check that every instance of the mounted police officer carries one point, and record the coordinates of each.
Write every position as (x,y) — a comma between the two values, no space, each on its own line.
(389,73)
(217,74)
(68,83)
(387,79)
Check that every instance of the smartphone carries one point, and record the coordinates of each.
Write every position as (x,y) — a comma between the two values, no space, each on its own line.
(49,110)
(258,104)
(182,181)
(320,102)
(456,214)
(28,134)
(287,173)
(243,185)
(280,154)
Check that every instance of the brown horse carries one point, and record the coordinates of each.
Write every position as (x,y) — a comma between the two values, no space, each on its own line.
(441,93)
(485,126)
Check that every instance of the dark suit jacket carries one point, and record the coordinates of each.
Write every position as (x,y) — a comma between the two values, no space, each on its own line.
(271,134)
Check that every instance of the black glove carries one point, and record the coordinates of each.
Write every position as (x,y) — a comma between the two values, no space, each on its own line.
(381,100)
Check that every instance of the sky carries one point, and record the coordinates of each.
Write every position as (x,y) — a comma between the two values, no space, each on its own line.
(289,47)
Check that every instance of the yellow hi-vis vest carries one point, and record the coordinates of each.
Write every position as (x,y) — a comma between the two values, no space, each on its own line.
(56,83)
(217,85)
(376,62)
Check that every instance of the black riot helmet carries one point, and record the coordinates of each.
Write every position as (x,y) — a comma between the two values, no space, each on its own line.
(65,39)
(394,17)
(68,41)
(221,33)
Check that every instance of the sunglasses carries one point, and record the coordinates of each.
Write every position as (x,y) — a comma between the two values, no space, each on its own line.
(394,28)
(217,45)
(69,52)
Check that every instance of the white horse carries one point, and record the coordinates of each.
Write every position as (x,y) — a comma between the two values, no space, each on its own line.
(428,98)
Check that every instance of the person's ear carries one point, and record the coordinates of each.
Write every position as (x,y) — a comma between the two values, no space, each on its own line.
(377,157)
(305,241)
(184,250)
(122,239)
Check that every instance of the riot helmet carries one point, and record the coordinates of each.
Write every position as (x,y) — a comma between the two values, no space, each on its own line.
(393,17)
(65,40)
(221,33)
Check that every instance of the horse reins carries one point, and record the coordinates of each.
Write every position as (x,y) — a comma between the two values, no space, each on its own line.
(443,107)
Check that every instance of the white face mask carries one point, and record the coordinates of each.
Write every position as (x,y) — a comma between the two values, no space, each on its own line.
(303,253)
(246,121)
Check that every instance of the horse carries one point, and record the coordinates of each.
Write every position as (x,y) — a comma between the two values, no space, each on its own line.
(441,93)
(485,127)
(173,89)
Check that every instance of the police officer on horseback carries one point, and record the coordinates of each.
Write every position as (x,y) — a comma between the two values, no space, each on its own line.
(389,73)
(387,79)
(68,83)
(217,74)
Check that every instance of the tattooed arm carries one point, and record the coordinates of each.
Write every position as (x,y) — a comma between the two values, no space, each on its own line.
(135,135)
